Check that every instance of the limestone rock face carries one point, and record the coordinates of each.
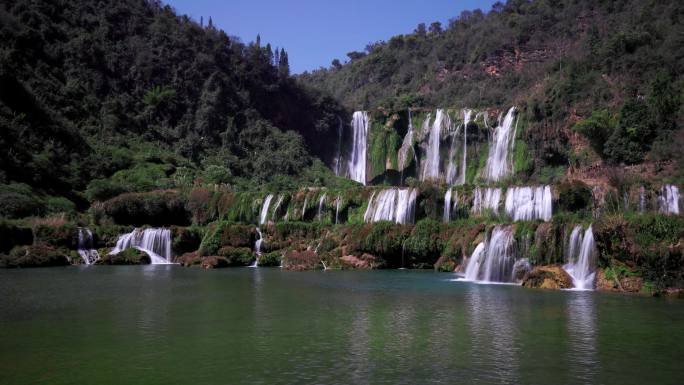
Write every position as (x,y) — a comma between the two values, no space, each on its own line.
(629,284)
(365,262)
(548,277)
(301,260)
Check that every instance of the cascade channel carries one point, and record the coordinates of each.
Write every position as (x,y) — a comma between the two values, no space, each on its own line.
(154,242)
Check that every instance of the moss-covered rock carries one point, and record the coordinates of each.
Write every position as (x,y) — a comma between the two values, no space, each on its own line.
(125,257)
(222,234)
(185,239)
(57,233)
(446,264)
(548,277)
(237,256)
(364,262)
(39,255)
(270,259)
(301,260)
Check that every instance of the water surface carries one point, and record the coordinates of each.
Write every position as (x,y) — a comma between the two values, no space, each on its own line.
(174,325)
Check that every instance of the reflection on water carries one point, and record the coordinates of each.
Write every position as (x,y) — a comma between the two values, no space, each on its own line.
(493,334)
(582,333)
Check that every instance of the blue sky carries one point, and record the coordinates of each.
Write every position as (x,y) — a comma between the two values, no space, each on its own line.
(314,32)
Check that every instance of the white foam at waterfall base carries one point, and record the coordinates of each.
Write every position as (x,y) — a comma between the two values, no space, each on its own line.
(581,256)
(493,260)
(393,204)
(498,163)
(264,209)
(668,201)
(154,242)
(529,203)
(85,247)
(357,159)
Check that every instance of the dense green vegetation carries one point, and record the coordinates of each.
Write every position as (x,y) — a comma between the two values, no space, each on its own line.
(100,98)
(617,63)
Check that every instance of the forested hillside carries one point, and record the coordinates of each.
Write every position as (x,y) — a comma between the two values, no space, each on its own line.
(99,98)
(600,81)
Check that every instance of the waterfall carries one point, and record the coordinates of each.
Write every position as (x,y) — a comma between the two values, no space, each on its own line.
(498,162)
(257,248)
(393,204)
(264,209)
(337,209)
(321,207)
(451,166)
(529,203)
(581,257)
(668,201)
(467,115)
(338,157)
(306,202)
(357,162)
(431,169)
(85,246)
(406,145)
(493,260)
(447,206)
(154,242)
(406,203)
(642,200)
(277,207)
(486,199)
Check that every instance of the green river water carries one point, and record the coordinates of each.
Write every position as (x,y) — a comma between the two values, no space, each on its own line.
(174,325)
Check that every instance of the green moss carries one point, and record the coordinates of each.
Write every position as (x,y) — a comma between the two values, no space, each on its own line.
(270,259)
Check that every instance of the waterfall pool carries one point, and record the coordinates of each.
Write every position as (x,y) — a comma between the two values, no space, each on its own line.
(167,324)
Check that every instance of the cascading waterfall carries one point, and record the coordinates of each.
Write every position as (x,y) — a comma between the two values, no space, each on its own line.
(337,209)
(85,246)
(486,199)
(393,204)
(154,242)
(498,162)
(306,202)
(357,162)
(668,201)
(321,207)
(529,203)
(449,207)
(406,145)
(467,115)
(451,165)
(581,257)
(264,209)
(642,200)
(431,169)
(257,248)
(277,207)
(493,260)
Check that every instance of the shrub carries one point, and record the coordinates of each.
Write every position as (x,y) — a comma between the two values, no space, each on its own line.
(56,205)
(126,257)
(57,234)
(156,208)
(39,255)
(237,256)
(574,196)
(18,200)
(270,259)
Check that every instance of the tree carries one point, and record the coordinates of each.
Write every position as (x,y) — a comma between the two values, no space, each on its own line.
(283,64)
(336,64)
(420,29)
(355,55)
(436,27)
(597,129)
